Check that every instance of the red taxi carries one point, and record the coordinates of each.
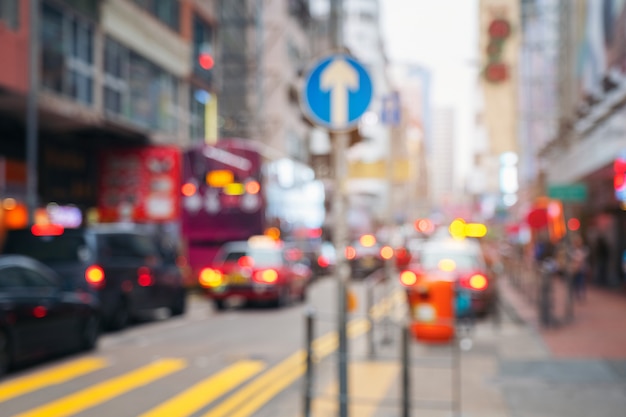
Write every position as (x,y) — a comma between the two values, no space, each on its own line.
(257,270)
(460,261)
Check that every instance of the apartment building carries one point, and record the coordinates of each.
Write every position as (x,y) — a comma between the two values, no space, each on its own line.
(110,73)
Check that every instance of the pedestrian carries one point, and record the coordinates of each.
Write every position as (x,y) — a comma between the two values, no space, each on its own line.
(601,258)
(578,267)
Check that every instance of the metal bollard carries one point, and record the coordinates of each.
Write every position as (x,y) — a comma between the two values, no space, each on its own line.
(308,377)
(406,380)
(369,301)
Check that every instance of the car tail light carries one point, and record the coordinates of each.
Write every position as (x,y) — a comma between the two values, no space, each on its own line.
(210,278)
(403,257)
(478,282)
(408,278)
(94,275)
(350,253)
(322,261)
(386,252)
(144,277)
(266,276)
(40,312)
(47,230)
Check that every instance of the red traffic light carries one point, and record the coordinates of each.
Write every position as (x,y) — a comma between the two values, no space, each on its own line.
(497,72)
(206,61)
(499,29)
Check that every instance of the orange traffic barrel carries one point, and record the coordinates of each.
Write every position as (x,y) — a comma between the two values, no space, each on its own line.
(431,304)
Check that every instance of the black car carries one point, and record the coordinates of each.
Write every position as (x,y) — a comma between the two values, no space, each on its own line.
(126,266)
(38,316)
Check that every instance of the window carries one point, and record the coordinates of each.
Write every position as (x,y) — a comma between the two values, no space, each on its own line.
(33,279)
(143,246)
(10,278)
(139,90)
(47,249)
(128,246)
(19,277)
(67,54)
(167,11)
(115,76)
(9,13)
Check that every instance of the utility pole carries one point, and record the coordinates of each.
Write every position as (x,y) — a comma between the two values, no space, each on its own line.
(31,111)
(340,145)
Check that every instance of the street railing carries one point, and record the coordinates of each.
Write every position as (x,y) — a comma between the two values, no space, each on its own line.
(544,286)
(384,329)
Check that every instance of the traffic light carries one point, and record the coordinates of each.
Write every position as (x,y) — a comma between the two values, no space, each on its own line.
(497,70)
(205,57)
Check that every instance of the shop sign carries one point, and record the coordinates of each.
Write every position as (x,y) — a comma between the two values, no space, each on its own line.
(140,184)
(574,193)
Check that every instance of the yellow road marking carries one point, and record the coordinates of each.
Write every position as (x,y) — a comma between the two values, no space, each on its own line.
(57,375)
(369,381)
(242,403)
(384,306)
(257,386)
(257,393)
(99,393)
(206,391)
(262,397)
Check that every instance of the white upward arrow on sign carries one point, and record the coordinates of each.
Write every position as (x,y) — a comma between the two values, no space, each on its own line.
(338,78)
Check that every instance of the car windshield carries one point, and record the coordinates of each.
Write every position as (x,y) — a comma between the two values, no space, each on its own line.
(47,249)
(430,259)
(260,257)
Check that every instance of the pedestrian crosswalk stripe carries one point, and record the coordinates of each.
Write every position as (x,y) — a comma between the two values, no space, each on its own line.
(385,306)
(104,391)
(371,382)
(264,396)
(256,387)
(206,391)
(54,376)
(246,401)
(242,403)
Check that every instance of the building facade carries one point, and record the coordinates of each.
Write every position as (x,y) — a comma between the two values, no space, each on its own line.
(111,73)
(589,143)
(498,113)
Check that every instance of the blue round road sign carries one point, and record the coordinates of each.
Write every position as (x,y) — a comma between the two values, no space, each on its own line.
(337,91)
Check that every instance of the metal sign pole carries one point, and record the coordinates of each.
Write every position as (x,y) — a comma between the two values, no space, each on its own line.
(337,92)
(340,146)
(340,142)
(32,145)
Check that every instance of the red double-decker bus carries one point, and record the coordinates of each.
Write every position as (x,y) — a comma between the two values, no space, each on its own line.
(223,199)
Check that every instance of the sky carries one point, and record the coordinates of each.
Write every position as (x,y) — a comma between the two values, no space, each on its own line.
(442,36)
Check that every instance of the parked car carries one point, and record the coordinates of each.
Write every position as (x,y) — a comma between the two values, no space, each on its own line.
(460,261)
(39,317)
(125,266)
(255,270)
(364,256)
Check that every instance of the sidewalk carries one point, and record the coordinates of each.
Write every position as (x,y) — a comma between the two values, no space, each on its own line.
(598,330)
(514,369)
